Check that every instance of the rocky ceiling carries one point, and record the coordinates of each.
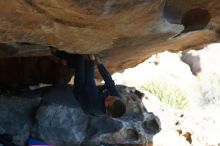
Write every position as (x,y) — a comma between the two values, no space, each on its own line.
(123,32)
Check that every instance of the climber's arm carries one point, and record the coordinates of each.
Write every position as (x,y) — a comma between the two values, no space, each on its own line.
(109,83)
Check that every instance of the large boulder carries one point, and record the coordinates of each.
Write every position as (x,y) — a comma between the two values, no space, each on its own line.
(53,115)
(60,121)
(16,116)
(116,29)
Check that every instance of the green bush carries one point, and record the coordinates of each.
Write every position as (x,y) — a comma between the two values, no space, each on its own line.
(168,94)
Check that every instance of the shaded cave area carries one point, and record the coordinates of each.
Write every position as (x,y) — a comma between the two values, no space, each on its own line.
(21,72)
(24,64)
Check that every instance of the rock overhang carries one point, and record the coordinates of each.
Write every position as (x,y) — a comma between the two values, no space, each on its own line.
(124,32)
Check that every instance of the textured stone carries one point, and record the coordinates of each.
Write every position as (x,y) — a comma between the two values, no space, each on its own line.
(60,125)
(57,118)
(16,116)
(136,127)
(116,29)
(60,121)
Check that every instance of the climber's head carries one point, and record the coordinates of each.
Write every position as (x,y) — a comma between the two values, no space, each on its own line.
(114,106)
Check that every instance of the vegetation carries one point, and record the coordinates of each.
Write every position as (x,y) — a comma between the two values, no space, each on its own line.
(168,94)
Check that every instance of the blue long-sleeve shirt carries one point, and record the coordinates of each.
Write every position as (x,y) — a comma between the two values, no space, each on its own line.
(109,83)
(98,106)
(85,90)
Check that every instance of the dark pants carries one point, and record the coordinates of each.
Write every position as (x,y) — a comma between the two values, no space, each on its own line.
(85,89)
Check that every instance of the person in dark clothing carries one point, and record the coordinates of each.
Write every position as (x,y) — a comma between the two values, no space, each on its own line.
(85,91)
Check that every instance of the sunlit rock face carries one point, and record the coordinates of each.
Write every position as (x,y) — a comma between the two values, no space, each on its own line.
(125,32)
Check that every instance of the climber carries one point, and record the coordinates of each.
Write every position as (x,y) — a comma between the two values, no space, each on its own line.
(93,102)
